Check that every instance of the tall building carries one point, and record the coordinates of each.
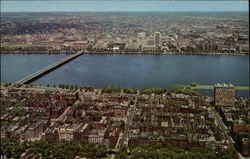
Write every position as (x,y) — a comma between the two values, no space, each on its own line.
(224,94)
(157,38)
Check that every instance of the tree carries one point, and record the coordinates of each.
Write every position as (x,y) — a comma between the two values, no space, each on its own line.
(121,155)
(76,87)
(11,148)
(182,89)
(188,87)
(228,154)
(79,105)
(111,89)
(66,86)
(96,115)
(194,84)
(153,90)
(88,88)
(130,90)
(63,86)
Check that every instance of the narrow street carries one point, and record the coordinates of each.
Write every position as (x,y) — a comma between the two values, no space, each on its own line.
(127,125)
(225,131)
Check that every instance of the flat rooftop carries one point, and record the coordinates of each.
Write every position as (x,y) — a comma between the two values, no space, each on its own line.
(224,85)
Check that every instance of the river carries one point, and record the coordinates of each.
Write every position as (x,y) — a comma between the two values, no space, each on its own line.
(140,71)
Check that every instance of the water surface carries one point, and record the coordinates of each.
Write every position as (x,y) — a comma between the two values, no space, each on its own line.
(140,71)
(17,66)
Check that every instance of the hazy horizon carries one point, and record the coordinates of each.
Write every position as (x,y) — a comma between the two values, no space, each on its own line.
(127,12)
(124,6)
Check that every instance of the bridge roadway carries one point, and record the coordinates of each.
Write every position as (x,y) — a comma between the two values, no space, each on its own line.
(44,70)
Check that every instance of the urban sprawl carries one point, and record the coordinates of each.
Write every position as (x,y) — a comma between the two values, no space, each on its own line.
(76,122)
(123,119)
(163,32)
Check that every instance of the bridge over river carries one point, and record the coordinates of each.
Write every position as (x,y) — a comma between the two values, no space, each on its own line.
(44,71)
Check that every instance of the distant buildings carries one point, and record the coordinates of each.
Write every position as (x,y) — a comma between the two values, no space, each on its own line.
(157,38)
(181,33)
(141,35)
(224,94)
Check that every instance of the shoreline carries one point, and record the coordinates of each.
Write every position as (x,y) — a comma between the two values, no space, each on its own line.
(38,87)
(138,53)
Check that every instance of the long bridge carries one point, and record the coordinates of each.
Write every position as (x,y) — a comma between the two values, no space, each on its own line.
(44,71)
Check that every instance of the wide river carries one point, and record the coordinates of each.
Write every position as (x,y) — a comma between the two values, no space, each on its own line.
(140,71)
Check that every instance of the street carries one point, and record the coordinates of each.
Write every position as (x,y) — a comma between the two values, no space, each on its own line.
(225,131)
(130,118)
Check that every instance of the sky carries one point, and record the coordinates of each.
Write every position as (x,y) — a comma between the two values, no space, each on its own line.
(125,5)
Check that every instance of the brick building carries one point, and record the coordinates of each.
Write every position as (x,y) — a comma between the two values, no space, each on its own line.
(224,94)
(34,130)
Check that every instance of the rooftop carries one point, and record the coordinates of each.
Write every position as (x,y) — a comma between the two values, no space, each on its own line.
(223,85)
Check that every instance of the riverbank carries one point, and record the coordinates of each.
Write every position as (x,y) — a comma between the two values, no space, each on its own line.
(143,53)
(141,71)
(127,90)
(240,88)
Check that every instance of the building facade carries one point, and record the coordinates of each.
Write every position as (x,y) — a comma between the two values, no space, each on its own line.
(224,94)
(157,38)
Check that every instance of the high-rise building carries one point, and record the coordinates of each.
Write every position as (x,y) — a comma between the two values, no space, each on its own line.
(157,38)
(224,94)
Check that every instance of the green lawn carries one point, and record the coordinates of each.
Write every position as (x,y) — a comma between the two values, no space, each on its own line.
(242,87)
(212,87)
